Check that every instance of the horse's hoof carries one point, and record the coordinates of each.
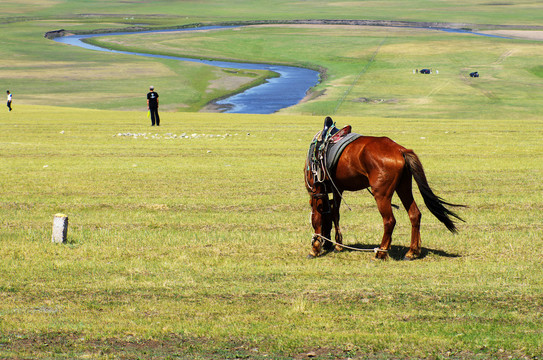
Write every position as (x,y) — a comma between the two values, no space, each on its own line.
(311,256)
(406,258)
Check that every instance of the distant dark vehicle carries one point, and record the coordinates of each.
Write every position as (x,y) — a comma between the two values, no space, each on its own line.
(474,74)
(425,71)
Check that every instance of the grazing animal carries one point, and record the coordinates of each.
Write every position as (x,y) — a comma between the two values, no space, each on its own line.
(385,167)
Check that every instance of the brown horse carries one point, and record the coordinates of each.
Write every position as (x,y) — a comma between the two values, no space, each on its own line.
(386,167)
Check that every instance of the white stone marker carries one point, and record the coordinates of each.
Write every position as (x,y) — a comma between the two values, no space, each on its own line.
(60,228)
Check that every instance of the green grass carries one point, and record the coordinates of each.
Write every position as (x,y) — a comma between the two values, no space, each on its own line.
(538,70)
(195,247)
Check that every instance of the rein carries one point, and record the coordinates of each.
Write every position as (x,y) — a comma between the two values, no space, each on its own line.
(319,237)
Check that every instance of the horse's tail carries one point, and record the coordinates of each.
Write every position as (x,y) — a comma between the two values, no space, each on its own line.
(435,204)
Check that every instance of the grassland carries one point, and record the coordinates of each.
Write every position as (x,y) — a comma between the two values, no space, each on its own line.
(195,247)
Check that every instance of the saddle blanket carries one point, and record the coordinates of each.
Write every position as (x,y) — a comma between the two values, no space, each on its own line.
(335,151)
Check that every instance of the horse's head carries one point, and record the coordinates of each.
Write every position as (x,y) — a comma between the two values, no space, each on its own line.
(321,211)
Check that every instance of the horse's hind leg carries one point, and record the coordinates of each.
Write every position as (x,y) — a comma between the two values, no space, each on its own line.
(383,185)
(405,192)
(389,222)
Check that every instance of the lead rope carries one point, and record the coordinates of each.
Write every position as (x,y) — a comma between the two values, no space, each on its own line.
(375,250)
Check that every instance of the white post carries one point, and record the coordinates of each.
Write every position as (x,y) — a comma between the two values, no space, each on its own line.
(60,228)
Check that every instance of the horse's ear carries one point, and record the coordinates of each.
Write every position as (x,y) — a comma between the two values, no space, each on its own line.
(328,121)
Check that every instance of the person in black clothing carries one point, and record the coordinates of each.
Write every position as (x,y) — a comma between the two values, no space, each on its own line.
(152,105)
(9,100)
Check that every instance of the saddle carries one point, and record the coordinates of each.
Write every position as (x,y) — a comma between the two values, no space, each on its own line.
(326,148)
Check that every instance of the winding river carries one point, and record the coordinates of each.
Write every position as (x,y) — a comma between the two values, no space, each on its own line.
(273,95)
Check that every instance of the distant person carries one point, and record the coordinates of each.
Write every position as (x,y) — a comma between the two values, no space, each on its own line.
(152,105)
(9,100)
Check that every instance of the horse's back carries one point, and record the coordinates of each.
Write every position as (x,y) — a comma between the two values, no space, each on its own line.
(377,149)
(367,156)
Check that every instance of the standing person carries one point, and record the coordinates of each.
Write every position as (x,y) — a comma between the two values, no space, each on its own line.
(9,100)
(152,105)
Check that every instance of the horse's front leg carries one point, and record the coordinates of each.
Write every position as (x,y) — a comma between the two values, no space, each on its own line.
(335,218)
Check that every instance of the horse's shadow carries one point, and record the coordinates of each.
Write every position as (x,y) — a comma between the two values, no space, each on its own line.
(397,252)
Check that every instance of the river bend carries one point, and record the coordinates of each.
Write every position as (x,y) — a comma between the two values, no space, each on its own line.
(288,89)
